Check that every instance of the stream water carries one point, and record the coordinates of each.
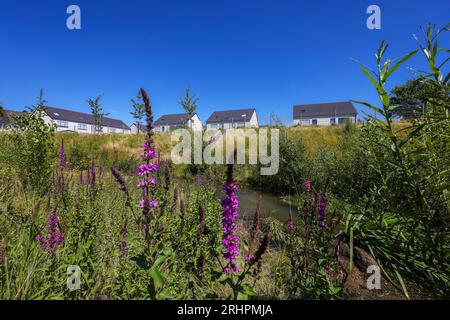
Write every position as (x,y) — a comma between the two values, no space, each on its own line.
(271,205)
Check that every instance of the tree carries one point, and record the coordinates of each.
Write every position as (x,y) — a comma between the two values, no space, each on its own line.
(1,109)
(412,98)
(34,145)
(189,102)
(138,110)
(97,112)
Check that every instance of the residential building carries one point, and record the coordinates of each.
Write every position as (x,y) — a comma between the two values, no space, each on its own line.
(182,120)
(242,118)
(67,120)
(324,114)
(135,127)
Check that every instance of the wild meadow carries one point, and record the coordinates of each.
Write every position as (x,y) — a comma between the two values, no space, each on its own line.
(140,227)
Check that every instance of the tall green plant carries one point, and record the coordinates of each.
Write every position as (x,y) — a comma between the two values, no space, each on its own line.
(138,112)
(97,113)
(405,223)
(189,101)
(34,145)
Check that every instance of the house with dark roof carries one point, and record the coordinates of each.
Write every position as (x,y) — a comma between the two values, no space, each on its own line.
(181,120)
(243,118)
(324,114)
(67,120)
(6,118)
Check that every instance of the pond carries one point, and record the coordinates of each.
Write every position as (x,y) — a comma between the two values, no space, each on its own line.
(271,205)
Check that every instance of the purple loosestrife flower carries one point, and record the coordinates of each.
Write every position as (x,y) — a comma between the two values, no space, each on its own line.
(229,214)
(202,223)
(261,250)
(307,185)
(150,203)
(290,225)
(93,173)
(145,169)
(175,200)
(54,237)
(143,184)
(322,211)
(123,235)
(201,262)
(150,165)
(88,176)
(123,185)
(328,272)
(81,178)
(62,156)
(182,209)
(167,177)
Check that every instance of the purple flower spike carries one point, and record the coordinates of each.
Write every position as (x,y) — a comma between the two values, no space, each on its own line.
(229,214)
(307,185)
(62,156)
(54,237)
(321,213)
(290,225)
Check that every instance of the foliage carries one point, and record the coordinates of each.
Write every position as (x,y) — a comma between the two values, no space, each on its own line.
(308,268)
(406,218)
(412,97)
(32,148)
(138,112)
(97,113)
(189,102)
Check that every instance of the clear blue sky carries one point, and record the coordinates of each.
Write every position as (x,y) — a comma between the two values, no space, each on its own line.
(268,55)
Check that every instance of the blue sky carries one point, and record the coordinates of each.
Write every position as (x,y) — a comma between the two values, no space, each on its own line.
(268,55)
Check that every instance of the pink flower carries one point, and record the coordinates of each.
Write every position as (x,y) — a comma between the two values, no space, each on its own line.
(307,185)
(146,169)
(143,184)
(151,203)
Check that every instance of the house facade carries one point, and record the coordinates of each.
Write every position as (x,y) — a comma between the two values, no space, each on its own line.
(137,127)
(182,120)
(324,114)
(73,121)
(241,118)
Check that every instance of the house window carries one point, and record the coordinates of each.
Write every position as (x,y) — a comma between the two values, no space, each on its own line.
(332,120)
(112,130)
(62,124)
(82,126)
(341,120)
(314,122)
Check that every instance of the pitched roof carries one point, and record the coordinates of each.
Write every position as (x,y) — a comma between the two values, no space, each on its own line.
(231,116)
(173,119)
(325,110)
(6,118)
(74,116)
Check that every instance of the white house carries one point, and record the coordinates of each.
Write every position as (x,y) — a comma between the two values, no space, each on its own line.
(67,120)
(182,120)
(135,127)
(242,118)
(324,114)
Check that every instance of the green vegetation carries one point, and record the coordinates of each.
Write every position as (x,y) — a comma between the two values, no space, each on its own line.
(377,191)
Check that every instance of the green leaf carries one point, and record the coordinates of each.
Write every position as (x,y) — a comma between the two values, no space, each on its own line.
(351,250)
(370,106)
(395,67)
(368,75)
(157,277)
(410,135)
(402,283)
